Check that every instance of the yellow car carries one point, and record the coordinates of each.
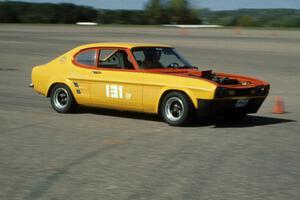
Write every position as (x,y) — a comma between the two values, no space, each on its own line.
(150,78)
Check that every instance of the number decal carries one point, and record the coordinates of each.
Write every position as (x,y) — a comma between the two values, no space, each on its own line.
(116,92)
(120,92)
(128,96)
(107,91)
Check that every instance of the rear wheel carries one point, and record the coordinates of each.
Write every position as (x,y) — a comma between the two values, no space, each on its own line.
(176,109)
(62,99)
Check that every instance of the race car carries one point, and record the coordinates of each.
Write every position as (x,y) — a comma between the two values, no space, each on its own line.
(149,78)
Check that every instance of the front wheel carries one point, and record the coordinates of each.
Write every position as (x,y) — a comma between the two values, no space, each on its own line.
(176,109)
(62,99)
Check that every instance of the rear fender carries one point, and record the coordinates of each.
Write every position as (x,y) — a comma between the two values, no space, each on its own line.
(53,82)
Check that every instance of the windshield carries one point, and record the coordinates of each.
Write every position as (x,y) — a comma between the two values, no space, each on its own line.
(159,57)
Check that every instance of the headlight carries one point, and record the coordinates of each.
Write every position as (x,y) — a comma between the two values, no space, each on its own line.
(221,92)
(231,92)
(262,90)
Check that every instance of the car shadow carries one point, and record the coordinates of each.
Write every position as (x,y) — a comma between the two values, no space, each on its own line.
(249,121)
(117,113)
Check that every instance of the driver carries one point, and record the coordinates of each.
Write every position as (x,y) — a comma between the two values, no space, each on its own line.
(152,57)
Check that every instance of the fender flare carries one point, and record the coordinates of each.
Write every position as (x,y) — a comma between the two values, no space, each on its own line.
(165,91)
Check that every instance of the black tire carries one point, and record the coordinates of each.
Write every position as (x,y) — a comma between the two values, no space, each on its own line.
(176,109)
(62,99)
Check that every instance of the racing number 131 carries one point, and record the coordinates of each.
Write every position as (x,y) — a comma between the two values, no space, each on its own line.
(114,91)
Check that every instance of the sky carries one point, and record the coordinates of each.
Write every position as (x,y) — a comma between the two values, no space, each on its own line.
(211,4)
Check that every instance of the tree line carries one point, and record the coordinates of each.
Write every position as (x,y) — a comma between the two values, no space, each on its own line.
(155,12)
(254,17)
(64,13)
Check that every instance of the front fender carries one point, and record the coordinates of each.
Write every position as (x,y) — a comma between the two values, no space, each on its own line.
(192,93)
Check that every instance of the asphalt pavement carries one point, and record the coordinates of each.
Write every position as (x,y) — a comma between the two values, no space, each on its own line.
(102,154)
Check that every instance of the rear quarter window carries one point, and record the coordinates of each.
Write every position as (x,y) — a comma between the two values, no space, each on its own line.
(87,57)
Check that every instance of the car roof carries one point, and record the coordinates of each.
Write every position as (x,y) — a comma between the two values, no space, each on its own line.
(120,45)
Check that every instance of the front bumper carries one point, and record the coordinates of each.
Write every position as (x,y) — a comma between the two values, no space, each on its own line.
(211,108)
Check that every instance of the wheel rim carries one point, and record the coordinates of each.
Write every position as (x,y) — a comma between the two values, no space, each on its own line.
(174,108)
(61,98)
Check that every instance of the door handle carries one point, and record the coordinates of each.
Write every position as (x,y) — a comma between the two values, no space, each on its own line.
(96,72)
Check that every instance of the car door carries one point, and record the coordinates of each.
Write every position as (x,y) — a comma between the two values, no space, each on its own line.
(115,82)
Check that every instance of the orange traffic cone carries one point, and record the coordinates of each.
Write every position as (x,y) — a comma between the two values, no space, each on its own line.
(184,32)
(237,30)
(279,106)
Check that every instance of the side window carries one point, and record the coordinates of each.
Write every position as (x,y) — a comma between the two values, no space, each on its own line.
(87,57)
(106,53)
(139,56)
(108,58)
(114,58)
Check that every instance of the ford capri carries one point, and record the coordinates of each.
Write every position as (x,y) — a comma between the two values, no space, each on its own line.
(149,78)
